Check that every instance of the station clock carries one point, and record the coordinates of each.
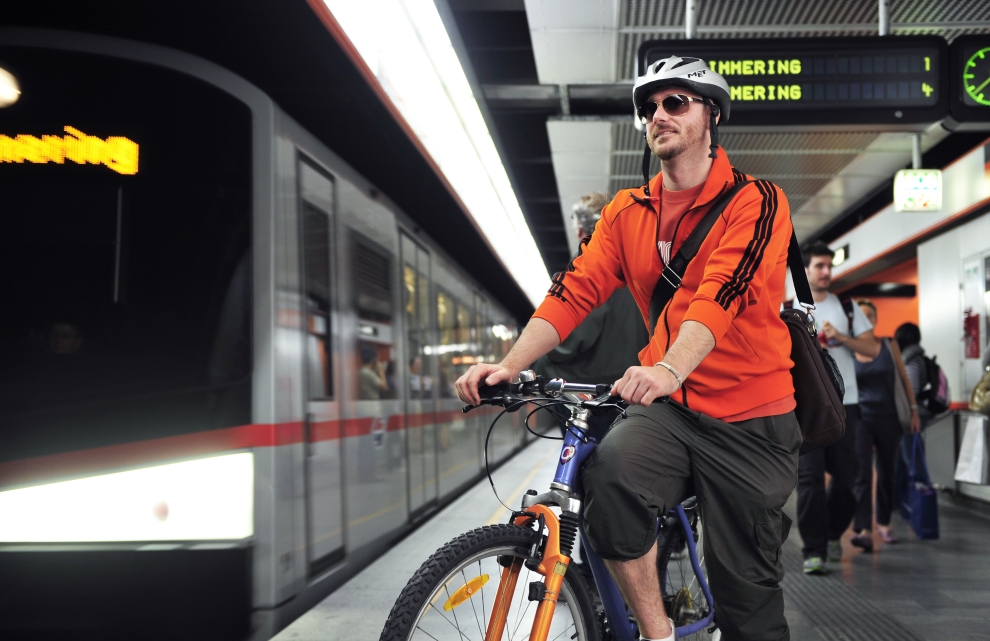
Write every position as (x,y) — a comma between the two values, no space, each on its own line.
(969,91)
(976,77)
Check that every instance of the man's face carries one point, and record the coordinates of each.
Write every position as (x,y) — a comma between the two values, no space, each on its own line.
(819,272)
(670,136)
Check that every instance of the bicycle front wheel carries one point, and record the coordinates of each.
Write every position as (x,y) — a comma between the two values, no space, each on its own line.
(455,594)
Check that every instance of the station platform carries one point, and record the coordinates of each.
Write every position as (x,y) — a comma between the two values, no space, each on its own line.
(912,591)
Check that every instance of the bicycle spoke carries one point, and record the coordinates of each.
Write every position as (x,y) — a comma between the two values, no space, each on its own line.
(519,609)
(516,629)
(456,627)
(565,631)
(484,611)
(427,633)
(473,608)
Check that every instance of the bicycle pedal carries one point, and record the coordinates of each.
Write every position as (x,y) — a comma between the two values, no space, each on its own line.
(537,591)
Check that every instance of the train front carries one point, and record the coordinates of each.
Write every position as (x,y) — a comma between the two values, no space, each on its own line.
(126,474)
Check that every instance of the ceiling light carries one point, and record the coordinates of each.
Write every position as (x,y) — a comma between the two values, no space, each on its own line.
(406,46)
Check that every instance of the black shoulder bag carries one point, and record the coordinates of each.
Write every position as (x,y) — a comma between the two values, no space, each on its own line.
(818,387)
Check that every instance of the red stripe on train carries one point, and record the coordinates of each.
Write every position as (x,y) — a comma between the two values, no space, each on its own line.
(127,455)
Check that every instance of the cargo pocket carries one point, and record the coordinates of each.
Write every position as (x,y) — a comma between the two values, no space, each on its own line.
(772,533)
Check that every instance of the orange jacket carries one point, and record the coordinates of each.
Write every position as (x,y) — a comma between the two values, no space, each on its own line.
(734,286)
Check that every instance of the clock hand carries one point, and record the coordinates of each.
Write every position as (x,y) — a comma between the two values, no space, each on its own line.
(978,89)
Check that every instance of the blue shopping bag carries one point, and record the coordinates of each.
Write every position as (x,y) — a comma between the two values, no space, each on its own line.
(920,505)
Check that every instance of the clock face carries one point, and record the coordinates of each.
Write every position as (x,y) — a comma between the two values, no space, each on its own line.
(976,78)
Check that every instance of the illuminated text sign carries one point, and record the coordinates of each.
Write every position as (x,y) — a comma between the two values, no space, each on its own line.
(822,80)
(918,190)
(116,152)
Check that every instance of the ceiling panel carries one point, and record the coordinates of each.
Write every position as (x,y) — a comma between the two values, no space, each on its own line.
(561,50)
(789,19)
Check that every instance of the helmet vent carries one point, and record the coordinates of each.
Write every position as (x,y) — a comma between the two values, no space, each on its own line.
(685,61)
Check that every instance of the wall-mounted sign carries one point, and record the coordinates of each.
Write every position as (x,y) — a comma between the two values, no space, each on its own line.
(116,152)
(815,81)
(841,255)
(969,104)
(918,190)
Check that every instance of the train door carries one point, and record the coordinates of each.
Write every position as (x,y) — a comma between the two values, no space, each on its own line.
(420,410)
(324,477)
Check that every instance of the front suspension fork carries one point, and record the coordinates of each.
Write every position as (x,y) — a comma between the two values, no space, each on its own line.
(552,565)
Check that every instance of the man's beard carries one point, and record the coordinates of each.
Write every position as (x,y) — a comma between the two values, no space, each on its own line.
(686,137)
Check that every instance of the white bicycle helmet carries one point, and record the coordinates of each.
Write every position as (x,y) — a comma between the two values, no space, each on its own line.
(690,73)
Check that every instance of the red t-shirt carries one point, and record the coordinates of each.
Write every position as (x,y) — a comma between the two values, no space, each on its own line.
(673,206)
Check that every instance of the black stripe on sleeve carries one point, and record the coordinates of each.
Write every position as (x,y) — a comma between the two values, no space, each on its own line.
(755,249)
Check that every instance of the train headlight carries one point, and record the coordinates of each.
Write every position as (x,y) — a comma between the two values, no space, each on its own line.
(205,499)
(10,91)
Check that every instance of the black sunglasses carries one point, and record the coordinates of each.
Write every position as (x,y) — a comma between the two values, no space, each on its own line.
(675,105)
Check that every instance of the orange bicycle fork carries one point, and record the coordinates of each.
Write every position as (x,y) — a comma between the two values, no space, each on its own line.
(553,566)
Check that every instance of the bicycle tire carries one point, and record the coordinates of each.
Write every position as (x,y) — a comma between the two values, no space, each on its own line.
(483,547)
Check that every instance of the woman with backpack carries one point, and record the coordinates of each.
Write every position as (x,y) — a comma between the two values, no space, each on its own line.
(879,429)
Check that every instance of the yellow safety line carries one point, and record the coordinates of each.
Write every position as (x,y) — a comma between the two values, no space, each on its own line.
(498,514)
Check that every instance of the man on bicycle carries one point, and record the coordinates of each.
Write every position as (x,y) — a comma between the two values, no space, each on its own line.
(719,351)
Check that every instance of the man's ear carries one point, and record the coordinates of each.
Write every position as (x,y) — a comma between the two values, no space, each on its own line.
(717,113)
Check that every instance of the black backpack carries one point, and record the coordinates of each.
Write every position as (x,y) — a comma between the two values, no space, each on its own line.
(934,395)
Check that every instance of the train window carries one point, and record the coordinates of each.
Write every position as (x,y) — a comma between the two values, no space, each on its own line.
(125,277)
(372,272)
(316,256)
(416,286)
(454,320)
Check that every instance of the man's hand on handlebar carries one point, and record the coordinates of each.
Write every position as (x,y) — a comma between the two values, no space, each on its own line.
(642,385)
(480,374)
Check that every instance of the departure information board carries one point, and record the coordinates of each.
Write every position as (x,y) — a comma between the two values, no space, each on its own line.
(811,81)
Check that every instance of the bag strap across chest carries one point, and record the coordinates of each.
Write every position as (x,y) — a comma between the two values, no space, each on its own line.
(673,272)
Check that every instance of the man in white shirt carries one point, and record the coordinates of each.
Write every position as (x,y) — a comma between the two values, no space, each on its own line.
(824,514)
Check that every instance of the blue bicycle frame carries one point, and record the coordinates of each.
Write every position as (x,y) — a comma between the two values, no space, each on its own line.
(567,475)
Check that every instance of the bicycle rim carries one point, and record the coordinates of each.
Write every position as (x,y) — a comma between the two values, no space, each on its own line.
(440,620)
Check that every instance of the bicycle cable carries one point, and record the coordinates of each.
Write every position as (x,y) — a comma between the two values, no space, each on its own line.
(510,408)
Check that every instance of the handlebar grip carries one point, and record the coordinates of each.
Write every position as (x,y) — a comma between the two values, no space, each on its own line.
(492,391)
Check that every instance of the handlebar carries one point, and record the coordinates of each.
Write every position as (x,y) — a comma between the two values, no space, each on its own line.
(508,394)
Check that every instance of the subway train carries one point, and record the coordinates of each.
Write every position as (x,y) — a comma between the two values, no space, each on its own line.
(226,359)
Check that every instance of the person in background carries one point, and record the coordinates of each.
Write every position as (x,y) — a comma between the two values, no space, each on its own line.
(420,385)
(824,514)
(908,338)
(64,338)
(607,342)
(879,428)
(371,378)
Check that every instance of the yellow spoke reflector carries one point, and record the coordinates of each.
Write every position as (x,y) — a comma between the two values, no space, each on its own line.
(465,592)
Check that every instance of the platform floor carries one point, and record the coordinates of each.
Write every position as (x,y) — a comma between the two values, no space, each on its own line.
(912,591)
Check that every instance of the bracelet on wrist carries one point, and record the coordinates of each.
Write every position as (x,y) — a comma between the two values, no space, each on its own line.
(666,366)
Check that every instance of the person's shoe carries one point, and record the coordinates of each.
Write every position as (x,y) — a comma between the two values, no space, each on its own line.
(835,551)
(814,565)
(888,536)
(863,541)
